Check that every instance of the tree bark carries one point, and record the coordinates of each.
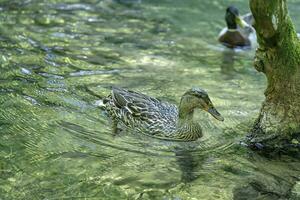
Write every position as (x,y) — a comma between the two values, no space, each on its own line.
(278,57)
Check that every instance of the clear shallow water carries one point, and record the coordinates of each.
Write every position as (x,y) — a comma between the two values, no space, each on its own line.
(58,58)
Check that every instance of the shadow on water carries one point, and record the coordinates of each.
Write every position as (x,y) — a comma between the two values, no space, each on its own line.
(187,164)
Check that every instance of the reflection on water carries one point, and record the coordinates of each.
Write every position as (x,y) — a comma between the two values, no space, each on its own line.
(58,59)
(227,65)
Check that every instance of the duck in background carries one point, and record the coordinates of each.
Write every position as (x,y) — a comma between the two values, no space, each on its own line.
(239,32)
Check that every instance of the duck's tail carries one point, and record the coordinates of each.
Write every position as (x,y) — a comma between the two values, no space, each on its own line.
(101,100)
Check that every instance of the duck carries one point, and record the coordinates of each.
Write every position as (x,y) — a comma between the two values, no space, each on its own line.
(144,114)
(239,32)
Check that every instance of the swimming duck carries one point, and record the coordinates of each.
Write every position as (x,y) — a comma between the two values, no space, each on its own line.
(239,31)
(156,118)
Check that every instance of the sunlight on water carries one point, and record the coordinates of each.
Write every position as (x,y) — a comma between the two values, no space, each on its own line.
(58,59)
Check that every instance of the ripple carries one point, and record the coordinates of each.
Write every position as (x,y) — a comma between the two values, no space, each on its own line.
(26,71)
(69,7)
(104,140)
(47,75)
(63,35)
(99,72)
(95,72)
(31,100)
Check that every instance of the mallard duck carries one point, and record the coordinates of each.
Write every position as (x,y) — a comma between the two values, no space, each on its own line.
(239,31)
(156,118)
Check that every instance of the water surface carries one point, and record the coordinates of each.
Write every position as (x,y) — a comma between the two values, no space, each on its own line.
(58,58)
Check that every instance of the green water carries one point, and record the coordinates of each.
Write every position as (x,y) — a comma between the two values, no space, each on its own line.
(59,57)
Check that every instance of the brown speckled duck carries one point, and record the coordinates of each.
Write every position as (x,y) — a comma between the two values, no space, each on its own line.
(156,118)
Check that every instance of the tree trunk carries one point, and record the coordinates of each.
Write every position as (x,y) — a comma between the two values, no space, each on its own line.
(278,57)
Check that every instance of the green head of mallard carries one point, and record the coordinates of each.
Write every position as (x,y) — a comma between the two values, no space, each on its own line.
(233,18)
(197,98)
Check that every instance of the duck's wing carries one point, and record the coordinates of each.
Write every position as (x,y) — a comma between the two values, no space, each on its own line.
(122,97)
(144,113)
(136,104)
(249,31)
(248,18)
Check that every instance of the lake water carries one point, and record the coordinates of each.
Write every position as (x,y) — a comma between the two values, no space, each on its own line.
(58,58)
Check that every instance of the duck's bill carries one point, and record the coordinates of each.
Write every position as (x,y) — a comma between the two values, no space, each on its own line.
(241,22)
(215,114)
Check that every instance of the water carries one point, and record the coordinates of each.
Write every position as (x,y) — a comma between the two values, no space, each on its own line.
(58,58)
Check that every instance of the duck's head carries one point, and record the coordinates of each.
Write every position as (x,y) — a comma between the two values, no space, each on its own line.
(232,18)
(198,98)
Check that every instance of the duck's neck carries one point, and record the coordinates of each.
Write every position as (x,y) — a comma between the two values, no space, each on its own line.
(185,117)
(186,127)
(231,25)
(186,112)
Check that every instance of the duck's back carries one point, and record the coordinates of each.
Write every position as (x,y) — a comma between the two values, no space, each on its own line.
(142,113)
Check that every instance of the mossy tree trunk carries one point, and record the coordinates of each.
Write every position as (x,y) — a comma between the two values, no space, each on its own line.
(278,57)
